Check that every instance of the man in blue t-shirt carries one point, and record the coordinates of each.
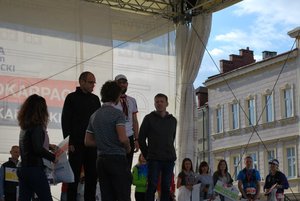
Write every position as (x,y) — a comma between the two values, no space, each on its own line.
(249,180)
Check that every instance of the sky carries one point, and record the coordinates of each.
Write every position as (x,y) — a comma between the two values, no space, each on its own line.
(258,24)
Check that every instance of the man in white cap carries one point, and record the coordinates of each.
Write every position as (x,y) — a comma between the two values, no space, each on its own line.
(128,105)
(275,182)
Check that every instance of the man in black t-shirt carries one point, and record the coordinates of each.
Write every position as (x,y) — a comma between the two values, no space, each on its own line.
(276,181)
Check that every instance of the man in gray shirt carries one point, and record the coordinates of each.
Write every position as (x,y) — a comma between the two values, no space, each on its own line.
(106,131)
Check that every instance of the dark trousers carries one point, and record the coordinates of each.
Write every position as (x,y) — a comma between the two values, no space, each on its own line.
(10,196)
(155,168)
(114,177)
(86,157)
(130,155)
(139,196)
(33,180)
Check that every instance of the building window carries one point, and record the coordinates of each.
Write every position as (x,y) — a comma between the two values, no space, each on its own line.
(234,115)
(219,120)
(269,109)
(287,101)
(236,165)
(268,106)
(291,162)
(270,155)
(255,160)
(251,112)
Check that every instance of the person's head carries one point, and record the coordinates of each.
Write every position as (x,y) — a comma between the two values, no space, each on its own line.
(187,165)
(161,102)
(110,92)
(33,112)
(274,165)
(87,82)
(122,82)
(142,160)
(222,166)
(203,168)
(15,152)
(248,162)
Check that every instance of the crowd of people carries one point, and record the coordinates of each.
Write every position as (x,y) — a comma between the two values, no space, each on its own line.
(102,141)
(248,181)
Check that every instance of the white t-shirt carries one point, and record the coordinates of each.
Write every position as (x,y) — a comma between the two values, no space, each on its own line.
(132,109)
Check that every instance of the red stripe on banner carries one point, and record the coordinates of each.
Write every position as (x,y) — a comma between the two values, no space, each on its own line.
(17,89)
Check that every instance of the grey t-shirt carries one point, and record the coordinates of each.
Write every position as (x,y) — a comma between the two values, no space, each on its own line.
(102,125)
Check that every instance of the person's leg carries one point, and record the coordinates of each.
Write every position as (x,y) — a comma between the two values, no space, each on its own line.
(130,155)
(166,179)
(154,168)
(25,190)
(40,184)
(10,197)
(90,173)
(120,177)
(105,182)
(139,196)
(75,160)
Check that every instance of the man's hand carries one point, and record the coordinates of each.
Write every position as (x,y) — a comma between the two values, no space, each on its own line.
(128,148)
(189,187)
(71,148)
(53,147)
(256,197)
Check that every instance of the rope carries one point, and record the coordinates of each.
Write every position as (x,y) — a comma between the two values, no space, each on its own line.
(244,112)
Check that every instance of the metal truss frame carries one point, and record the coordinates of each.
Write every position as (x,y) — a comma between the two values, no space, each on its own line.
(169,9)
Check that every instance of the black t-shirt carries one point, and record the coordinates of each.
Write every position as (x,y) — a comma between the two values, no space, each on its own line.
(187,178)
(278,178)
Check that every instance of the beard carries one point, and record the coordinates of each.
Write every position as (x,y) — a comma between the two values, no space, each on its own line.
(124,90)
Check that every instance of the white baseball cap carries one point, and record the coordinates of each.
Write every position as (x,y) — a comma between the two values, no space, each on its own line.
(120,76)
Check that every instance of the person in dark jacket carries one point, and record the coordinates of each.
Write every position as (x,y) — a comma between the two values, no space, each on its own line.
(77,109)
(33,118)
(275,180)
(156,140)
(9,179)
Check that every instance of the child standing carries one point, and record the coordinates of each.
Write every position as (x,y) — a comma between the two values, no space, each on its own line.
(139,174)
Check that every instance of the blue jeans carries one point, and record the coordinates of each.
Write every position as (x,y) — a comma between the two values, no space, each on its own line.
(155,168)
(33,180)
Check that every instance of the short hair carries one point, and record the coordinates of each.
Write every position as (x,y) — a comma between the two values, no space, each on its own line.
(248,157)
(110,91)
(83,75)
(33,112)
(183,166)
(14,147)
(203,164)
(160,95)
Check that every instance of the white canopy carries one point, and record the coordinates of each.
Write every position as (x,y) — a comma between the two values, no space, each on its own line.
(45,45)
